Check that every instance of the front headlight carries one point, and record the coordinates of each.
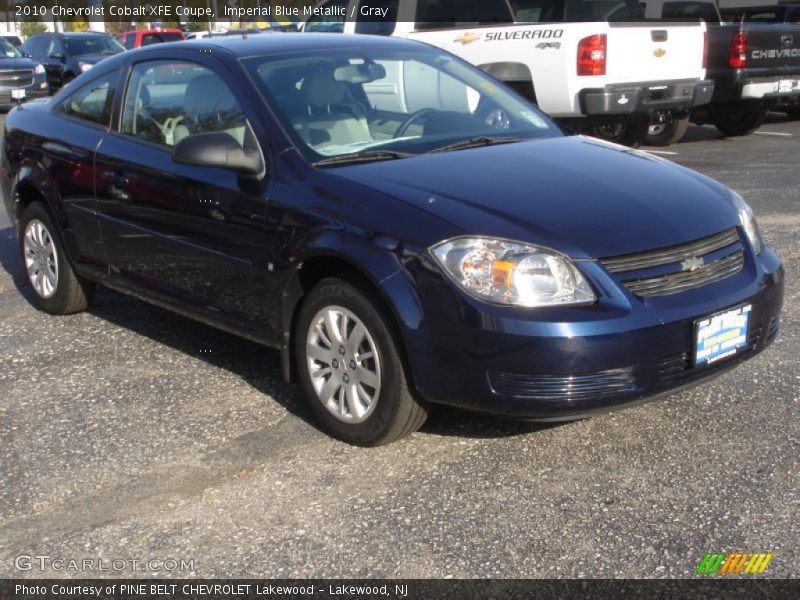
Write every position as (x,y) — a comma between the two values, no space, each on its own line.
(84,66)
(512,273)
(748,221)
(38,69)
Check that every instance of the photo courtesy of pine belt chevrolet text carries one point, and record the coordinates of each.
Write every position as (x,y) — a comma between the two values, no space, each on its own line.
(404,228)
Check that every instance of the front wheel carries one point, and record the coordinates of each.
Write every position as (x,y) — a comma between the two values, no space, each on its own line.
(56,287)
(350,366)
(666,134)
(740,122)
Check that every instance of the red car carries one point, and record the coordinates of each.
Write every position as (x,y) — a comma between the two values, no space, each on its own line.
(146,37)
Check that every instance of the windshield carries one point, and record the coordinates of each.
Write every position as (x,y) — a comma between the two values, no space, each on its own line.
(95,44)
(410,101)
(8,50)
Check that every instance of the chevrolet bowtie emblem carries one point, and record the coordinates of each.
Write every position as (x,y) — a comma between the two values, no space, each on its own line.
(467,38)
(659,52)
(692,264)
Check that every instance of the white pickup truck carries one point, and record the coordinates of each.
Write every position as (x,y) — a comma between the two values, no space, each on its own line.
(592,64)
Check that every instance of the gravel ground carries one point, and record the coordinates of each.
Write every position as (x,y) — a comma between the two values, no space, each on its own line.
(130,433)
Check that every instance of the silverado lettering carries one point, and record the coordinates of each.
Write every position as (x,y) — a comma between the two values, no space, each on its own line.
(535,34)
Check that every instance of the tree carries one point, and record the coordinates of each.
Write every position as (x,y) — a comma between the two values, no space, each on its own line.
(29,28)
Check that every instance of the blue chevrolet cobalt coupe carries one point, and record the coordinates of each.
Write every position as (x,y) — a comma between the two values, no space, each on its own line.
(404,228)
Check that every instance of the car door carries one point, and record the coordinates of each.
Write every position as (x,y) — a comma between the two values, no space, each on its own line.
(80,121)
(183,233)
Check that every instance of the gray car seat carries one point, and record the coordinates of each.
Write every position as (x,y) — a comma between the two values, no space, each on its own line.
(328,118)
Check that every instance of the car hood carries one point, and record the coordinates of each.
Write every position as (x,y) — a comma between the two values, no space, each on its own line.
(21,62)
(578,195)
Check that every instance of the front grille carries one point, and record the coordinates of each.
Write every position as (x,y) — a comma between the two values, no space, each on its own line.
(616,382)
(722,256)
(15,78)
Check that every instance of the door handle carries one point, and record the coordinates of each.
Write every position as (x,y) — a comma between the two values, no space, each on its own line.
(117,179)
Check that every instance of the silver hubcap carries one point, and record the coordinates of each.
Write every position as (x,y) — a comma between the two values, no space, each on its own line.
(343,362)
(656,129)
(41,260)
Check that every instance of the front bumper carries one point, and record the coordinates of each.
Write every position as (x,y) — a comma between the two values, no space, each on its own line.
(559,364)
(38,89)
(647,97)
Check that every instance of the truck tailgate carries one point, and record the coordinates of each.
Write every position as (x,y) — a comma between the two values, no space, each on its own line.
(772,45)
(663,51)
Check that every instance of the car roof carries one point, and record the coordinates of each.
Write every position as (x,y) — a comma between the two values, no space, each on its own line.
(277,42)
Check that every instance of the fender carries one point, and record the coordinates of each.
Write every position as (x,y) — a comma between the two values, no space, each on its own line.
(378,261)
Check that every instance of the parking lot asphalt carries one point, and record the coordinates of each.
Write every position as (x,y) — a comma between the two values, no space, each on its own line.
(130,433)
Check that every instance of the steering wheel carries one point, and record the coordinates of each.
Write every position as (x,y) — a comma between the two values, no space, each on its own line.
(415,116)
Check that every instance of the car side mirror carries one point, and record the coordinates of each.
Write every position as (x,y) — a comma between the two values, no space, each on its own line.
(220,150)
(57,55)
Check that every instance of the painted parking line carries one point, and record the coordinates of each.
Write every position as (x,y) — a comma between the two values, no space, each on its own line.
(664,152)
(773,133)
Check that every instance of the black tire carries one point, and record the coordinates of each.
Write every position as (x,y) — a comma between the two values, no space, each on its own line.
(397,412)
(71,293)
(668,133)
(793,112)
(740,122)
(632,132)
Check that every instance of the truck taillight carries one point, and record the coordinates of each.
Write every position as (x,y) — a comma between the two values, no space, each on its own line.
(705,49)
(592,55)
(737,58)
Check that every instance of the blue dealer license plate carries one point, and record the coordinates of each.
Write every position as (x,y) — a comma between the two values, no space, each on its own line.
(720,336)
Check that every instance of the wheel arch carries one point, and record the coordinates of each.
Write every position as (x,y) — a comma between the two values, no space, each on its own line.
(394,292)
(515,75)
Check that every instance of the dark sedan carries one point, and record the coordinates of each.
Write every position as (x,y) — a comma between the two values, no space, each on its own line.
(405,229)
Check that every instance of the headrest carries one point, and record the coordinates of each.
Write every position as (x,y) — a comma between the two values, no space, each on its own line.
(208,94)
(321,89)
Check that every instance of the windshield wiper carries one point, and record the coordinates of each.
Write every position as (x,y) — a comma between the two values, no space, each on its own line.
(361,157)
(475,142)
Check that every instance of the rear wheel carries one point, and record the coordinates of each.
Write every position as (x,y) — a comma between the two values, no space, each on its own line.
(666,134)
(632,132)
(56,287)
(740,122)
(793,112)
(350,366)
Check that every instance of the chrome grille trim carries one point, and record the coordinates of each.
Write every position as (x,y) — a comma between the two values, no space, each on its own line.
(564,387)
(674,283)
(673,254)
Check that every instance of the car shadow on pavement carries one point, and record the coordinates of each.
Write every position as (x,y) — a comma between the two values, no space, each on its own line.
(257,365)
(709,133)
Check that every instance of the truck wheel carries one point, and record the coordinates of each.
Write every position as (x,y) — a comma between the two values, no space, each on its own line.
(350,366)
(632,132)
(665,134)
(741,122)
(793,112)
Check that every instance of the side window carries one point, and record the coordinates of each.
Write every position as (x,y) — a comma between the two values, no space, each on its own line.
(57,46)
(794,17)
(538,11)
(329,24)
(373,25)
(167,101)
(46,47)
(93,101)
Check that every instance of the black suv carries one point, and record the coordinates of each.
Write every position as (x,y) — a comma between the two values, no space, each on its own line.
(67,55)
